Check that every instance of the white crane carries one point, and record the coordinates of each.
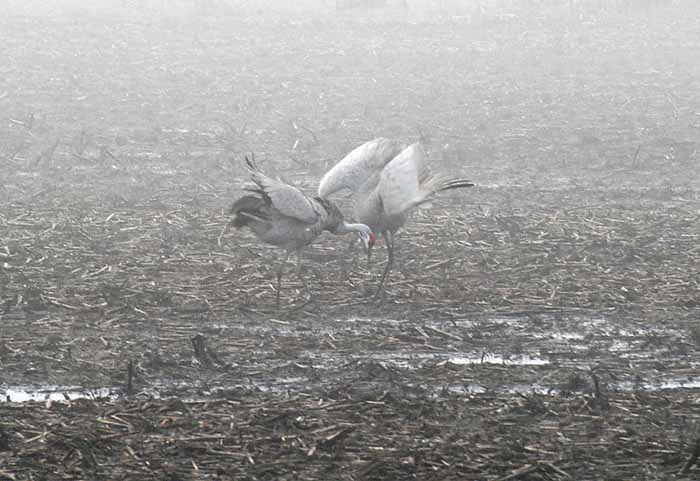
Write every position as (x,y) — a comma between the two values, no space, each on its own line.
(388,179)
(282,215)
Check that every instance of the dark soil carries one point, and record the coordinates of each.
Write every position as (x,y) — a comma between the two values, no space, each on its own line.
(540,326)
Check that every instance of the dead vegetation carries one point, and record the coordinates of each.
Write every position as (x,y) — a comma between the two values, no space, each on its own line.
(351,434)
(539,327)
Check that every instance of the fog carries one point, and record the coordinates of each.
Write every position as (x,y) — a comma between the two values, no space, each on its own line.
(542,323)
(492,80)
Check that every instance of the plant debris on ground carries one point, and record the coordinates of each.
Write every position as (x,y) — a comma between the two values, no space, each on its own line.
(540,326)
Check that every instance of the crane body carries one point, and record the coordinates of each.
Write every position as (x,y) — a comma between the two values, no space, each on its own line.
(388,180)
(281,215)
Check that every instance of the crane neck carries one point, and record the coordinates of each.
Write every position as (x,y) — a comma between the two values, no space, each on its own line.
(346,227)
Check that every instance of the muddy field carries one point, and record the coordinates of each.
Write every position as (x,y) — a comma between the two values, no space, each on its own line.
(541,326)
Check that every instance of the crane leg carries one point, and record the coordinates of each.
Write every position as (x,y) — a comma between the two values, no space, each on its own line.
(344,260)
(389,238)
(280,269)
(301,277)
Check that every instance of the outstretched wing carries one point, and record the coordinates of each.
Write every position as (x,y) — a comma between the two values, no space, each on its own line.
(286,199)
(400,181)
(359,171)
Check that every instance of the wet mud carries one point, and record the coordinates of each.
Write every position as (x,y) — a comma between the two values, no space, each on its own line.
(540,326)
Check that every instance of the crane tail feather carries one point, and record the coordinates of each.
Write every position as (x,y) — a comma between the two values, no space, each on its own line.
(252,164)
(454,184)
(442,183)
(246,209)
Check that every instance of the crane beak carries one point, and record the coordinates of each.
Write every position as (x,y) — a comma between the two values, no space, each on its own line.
(364,240)
(367,244)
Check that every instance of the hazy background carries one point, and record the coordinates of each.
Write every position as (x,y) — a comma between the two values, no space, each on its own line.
(503,89)
(552,310)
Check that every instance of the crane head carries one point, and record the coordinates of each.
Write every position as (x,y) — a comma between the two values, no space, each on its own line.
(368,239)
(368,243)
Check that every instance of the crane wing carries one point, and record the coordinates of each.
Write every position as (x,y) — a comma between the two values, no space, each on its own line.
(359,171)
(286,199)
(400,181)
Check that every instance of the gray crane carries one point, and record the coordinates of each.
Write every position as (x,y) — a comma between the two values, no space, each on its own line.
(282,215)
(388,180)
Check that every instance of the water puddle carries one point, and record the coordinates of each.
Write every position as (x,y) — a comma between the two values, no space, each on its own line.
(688,383)
(521,360)
(19,394)
(536,388)
(416,360)
(55,393)
(529,353)
(469,389)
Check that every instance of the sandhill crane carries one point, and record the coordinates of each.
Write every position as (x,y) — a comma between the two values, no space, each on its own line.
(282,215)
(388,180)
